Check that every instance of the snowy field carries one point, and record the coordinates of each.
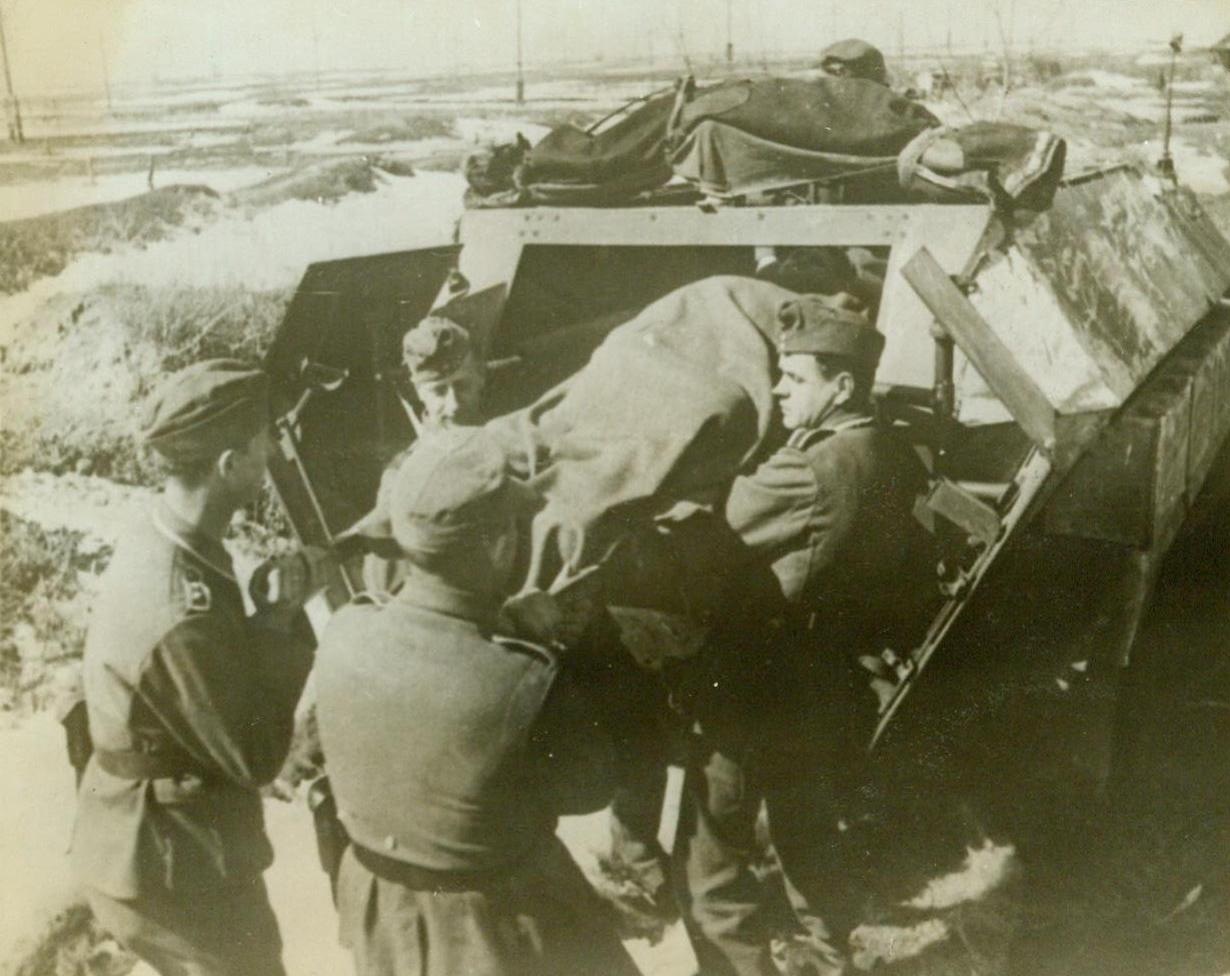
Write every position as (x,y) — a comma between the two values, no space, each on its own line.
(55,379)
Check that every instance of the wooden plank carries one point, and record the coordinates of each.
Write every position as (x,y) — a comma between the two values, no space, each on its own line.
(1019,393)
(909,350)
(1032,482)
(974,517)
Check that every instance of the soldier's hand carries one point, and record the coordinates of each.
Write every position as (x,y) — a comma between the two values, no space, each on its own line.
(284,583)
(533,615)
(885,673)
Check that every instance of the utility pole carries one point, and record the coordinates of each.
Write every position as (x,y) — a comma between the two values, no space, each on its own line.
(316,51)
(1165,165)
(15,132)
(730,38)
(520,62)
(102,51)
(900,35)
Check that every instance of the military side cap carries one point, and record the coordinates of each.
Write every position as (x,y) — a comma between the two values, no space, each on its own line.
(435,348)
(811,324)
(206,408)
(860,60)
(450,487)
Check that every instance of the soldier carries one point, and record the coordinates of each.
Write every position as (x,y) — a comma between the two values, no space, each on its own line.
(452,751)
(448,378)
(190,703)
(853,58)
(833,551)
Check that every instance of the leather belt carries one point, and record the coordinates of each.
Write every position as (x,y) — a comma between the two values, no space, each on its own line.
(130,764)
(427,879)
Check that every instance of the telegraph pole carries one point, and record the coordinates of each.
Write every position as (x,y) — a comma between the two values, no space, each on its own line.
(15,132)
(102,50)
(1165,165)
(730,37)
(520,62)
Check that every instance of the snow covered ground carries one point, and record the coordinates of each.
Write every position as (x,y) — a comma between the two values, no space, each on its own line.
(19,200)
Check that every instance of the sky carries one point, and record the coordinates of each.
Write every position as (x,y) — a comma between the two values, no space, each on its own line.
(69,44)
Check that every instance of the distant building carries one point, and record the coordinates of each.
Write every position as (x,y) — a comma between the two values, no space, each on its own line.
(1221,51)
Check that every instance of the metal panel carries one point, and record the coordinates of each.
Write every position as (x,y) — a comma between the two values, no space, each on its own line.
(1210,413)
(1133,485)
(349,315)
(1137,483)
(848,225)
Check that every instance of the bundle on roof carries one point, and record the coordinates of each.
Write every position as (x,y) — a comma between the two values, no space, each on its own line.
(751,136)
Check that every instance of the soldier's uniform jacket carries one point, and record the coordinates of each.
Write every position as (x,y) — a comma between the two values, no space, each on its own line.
(191,706)
(831,510)
(449,749)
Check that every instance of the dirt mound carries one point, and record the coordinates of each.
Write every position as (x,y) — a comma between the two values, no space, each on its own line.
(75,945)
(402,129)
(76,370)
(37,247)
(323,182)
(46,581)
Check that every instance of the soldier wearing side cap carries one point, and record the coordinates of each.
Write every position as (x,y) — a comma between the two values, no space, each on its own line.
(831,546)
(448,377)
(452,751)
(190,702)
(854,58)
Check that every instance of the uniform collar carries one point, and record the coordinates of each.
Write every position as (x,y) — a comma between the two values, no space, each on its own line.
(843,419)
(438,597)
(836,422)
(181,533)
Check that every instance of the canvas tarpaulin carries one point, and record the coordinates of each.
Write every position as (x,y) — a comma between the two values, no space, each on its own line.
(997,162)
(847,116)
(722,160)
(662,418)
(843,116)
(741,137)
(631,150)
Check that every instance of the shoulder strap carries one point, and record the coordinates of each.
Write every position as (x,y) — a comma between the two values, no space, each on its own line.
(541,654)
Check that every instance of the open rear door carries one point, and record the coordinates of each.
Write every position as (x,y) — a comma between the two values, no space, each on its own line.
(338,381)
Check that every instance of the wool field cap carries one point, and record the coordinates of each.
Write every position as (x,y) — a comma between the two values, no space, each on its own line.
(451,486)
(811,324)
(206,408)
(435,348)
(860,60)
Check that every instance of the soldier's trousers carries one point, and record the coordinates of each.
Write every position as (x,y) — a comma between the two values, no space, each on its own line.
(538,919)
(730,912)
(229,931)
(774,728)
(632,707)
